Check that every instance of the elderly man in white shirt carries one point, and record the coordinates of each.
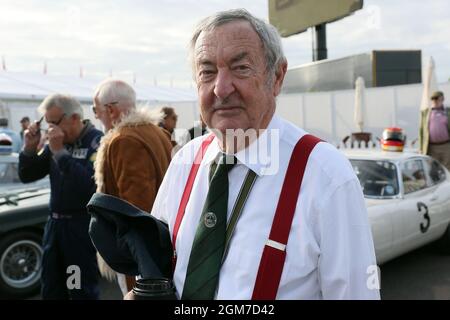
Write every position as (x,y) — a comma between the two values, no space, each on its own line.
(239,67)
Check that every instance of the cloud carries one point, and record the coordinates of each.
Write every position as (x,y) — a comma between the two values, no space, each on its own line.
(150,37)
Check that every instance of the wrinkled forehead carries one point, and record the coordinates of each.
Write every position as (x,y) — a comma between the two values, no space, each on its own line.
(54,110)
(227,39)
(53,113)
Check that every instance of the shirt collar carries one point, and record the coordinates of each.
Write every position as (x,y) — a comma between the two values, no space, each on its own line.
(257,156)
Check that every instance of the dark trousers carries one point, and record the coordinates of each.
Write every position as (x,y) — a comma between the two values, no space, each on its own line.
(440,152)
(67,250)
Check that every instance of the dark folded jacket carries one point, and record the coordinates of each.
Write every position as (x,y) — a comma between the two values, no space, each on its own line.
(130,240)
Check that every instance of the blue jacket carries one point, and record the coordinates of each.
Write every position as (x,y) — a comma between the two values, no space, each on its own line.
(71,172)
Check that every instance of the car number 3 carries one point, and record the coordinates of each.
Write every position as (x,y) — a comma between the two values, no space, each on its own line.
(424,228)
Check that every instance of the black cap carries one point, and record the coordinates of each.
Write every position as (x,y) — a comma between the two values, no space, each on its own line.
(437,95)
(130,240)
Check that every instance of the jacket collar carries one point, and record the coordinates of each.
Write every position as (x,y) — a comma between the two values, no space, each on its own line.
(87,126)
(138,117)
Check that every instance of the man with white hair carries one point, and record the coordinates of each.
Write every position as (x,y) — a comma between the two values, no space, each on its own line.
(134,154)
(260,209)
(68,158)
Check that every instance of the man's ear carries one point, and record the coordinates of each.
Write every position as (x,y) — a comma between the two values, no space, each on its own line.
(75,117)
(279,78)
(114,112)
(111,110)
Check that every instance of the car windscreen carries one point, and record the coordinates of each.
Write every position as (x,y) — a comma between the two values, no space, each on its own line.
(377,178)
(8,173)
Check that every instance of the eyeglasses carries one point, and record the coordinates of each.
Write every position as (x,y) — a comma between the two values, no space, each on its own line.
(44,125)
(56,123)
(110,104)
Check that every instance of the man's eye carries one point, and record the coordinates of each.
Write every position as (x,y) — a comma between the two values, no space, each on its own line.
(206,75)
(242,68)
(206,72)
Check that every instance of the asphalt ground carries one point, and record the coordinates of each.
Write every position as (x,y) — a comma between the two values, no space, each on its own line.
(423,274)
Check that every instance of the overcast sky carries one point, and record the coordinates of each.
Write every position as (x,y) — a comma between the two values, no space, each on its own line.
(149,38)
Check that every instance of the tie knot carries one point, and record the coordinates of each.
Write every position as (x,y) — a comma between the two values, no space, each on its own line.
(222,165)
(227,160)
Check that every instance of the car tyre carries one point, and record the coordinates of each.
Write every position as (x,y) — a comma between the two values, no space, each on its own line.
(20,264)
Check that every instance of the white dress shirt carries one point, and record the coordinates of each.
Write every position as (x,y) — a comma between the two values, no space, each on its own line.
(330,250)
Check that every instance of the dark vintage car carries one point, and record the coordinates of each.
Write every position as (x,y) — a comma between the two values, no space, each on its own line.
(23,213)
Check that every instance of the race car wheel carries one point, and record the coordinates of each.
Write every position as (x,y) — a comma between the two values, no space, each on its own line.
(20,264)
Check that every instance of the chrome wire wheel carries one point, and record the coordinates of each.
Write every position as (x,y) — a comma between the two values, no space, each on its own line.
(20,264)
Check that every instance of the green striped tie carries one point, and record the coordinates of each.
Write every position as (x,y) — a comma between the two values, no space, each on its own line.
(206,254)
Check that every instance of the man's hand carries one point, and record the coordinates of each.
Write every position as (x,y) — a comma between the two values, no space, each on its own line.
(55,138)
(129,296)
(32,136)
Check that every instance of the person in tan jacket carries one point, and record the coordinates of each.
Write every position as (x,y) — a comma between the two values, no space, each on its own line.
(133,156)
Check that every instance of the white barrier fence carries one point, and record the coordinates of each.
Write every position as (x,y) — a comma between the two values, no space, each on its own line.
(329,115)
(372,145)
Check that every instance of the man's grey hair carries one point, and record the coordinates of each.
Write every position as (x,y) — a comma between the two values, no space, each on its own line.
(67,103)
(113,90)
(268,34)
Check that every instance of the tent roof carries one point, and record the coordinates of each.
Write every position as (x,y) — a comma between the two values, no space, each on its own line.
(36,86)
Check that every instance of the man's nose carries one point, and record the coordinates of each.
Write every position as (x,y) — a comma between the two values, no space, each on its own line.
(224,84)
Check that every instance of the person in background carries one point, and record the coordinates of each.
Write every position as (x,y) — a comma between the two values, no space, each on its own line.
(24,123)
(198,130)
(68,157)
(169,120)
(133,156)
(169,123)
(434,131)
(15,137)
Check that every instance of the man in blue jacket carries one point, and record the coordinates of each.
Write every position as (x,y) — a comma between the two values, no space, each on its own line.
(69,266)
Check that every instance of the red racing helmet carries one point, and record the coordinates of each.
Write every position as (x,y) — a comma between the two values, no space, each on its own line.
(393,139)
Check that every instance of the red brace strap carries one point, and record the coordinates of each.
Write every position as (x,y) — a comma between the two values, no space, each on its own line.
(274,254)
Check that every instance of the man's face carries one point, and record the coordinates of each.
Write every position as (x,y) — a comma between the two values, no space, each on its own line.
(232,82)
(439,102)
(170,122)
(102,113)
(25,124)
(56,116)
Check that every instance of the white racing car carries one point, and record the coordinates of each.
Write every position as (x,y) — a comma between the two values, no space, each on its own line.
(407,197)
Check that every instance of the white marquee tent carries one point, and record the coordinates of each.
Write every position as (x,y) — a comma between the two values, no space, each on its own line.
(326,114)
(22,92)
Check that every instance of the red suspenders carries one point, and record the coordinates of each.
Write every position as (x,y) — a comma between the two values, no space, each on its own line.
(274,254)
(187,192)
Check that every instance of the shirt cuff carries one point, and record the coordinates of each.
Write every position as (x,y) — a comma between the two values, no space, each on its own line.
(28,153)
